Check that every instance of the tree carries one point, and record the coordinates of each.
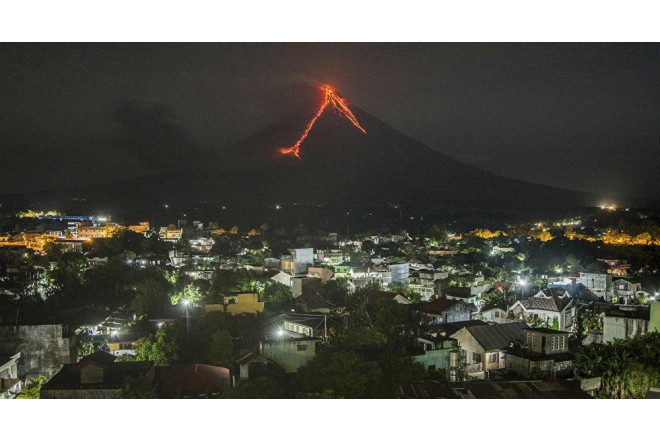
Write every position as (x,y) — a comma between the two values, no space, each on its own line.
(260,387)
(152,294)
(191,293)
(139,386)
(33,389)
(221,351)
(165,349)
(332,373)
(277,295)
(335,291)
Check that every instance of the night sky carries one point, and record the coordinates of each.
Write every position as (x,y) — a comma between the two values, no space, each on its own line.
(576,116)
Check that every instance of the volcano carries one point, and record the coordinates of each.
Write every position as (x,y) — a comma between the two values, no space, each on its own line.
(340,163)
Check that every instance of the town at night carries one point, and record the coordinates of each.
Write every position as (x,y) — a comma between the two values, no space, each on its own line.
(368,225)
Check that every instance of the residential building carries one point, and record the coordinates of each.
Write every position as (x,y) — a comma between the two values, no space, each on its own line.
(238,303)
(374,296)
(494,315)
(484,348)
(283,277)
(43,348)
(10,383)
(304,285)
(625,322)
(544,354)
(434,352)
(289,352)
(192,381)
(324,274)
(554,307)
(447,310)
(95,376)
(534,389)
(623,289)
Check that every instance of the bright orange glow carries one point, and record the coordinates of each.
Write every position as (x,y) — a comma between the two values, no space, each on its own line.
(329,97)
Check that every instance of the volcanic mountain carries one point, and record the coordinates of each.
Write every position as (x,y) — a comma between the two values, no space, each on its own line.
(338,164)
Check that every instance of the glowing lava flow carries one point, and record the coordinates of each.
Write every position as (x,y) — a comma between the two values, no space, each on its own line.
(330,97)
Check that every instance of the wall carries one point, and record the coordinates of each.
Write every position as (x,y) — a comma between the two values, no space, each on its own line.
(654,325)
(43,348)
(467,343)
(623,328)
(287,354)
(80,393)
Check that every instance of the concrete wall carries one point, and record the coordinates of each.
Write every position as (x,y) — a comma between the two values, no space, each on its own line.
(623,328)
(44,348)
(80,393)
(654,325)
(289,354)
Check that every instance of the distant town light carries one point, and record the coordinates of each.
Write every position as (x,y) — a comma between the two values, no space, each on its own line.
(166,206)
(277,207)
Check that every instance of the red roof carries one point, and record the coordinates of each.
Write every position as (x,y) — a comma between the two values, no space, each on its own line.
(192,380)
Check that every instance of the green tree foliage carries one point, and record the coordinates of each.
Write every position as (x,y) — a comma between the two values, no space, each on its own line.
(333,373)
(406,291)
(227,281)
(221,351)
(260,387)
(190,294)
(139,386)
(335,291)
(164,349)
(277,296)
(32,390)
(627,367)
(151,295)
(88,343)
(437,235)
(493,299)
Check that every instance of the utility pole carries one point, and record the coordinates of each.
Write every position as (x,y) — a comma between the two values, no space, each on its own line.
(325,327)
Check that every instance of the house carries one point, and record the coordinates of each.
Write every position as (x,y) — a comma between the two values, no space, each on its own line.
(374,296)
(425,292)
(43,348)
(313,302)
(623,289)
(399,273)
(625,322)
(331,257)
(447,310)
(484,348)
(553,307)
(599,284)
(192,381)
(289,352)
(304,285)
(95,376)
(434,352)
(539,389)
(10,383)
(283,277)
(544,354)
(533,389)
(494,314)
(466,294)
(124,343)
(324,274)
(236,303)
(252,365)
(309,325)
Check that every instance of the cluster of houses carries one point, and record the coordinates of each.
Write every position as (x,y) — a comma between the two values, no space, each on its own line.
(525,336)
